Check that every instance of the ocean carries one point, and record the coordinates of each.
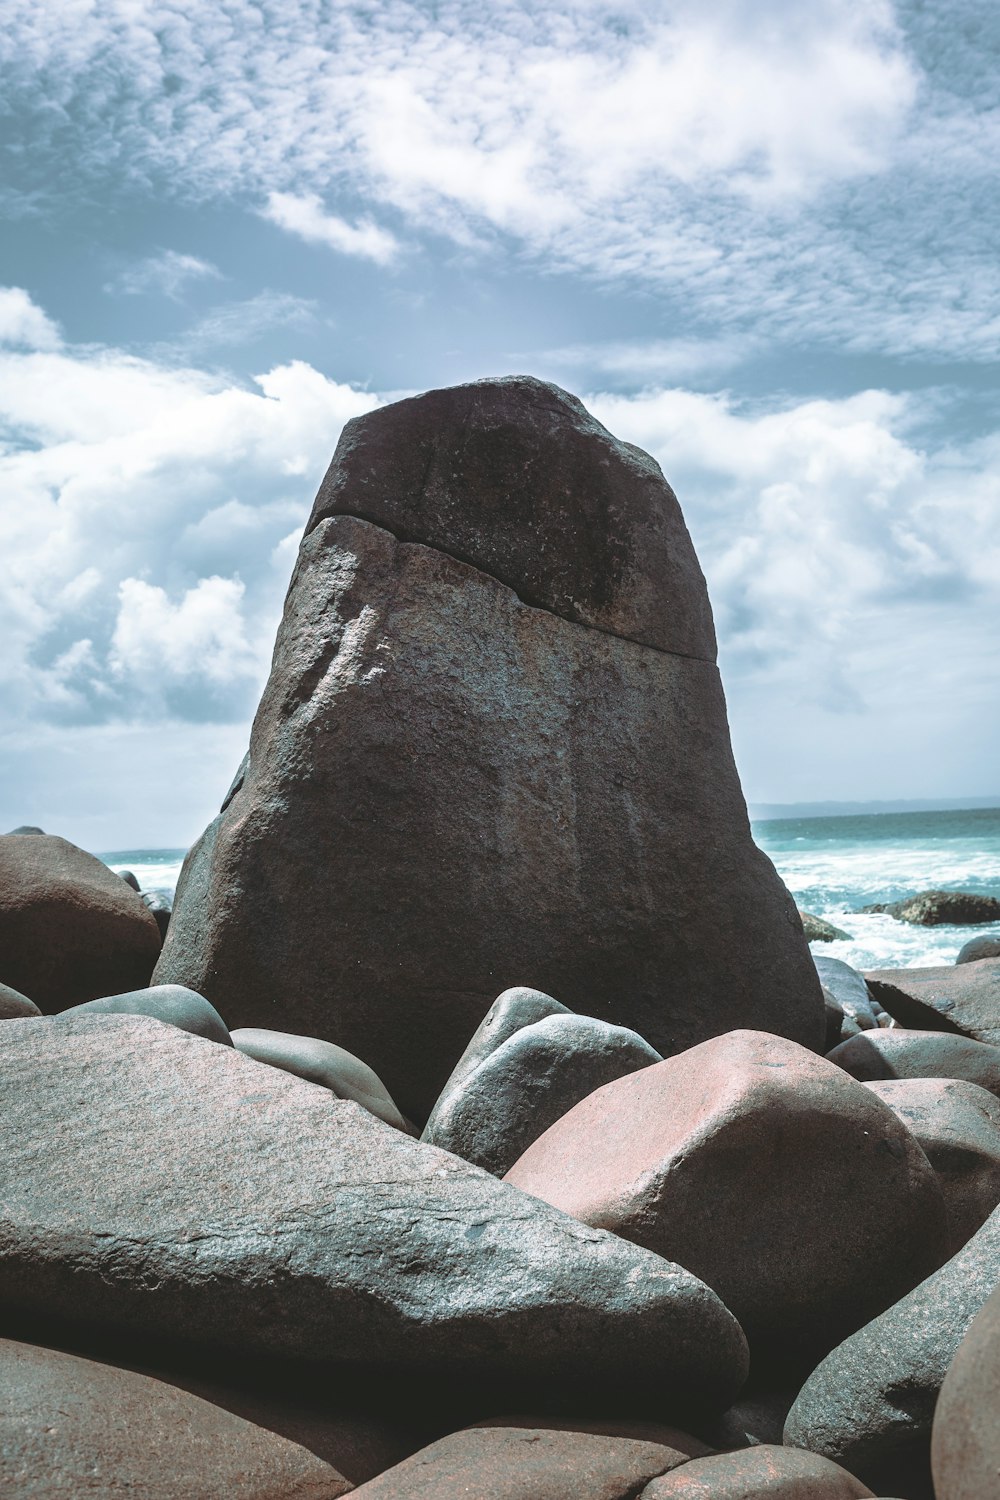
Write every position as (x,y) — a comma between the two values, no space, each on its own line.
(831,865)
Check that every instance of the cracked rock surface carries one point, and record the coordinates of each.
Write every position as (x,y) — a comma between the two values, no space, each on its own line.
(451,790)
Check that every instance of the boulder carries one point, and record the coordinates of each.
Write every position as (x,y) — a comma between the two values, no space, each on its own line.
(940,908)
(963,998)
(740,1132)
(14,1006)
(879,1055)
(514,1009)
(976,948)
(761,1472)
(495,724)
(168,1189)
(161,904)
(130,879)
(70,930)
(536,1461)
(27,828)
(965,1440)
(870,1403)
(72,1427)
(818,930)
(850,993)
(170,1003)
(321,1062)
(958,1127)
(530,1082)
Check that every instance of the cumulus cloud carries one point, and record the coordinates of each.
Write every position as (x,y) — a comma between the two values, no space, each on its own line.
(23,323)
(305,216)
(167,272)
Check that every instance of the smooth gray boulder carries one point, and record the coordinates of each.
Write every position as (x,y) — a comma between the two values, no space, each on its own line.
(869,1405)
(14,1006)
(850,994)
(166,1188)
(322,1063)
(878,1055)
(529,1082)
(962,998)
(173,1004)
(983,946)
(495,725)
(510,1012)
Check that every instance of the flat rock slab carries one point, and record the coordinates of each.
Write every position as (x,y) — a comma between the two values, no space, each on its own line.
(163,1186)
(963,998)
(72,1428)
(828,1204)
(531,1463)
(758,1474)
(450,792)
(899,1053)
(70,930)
(871,1402)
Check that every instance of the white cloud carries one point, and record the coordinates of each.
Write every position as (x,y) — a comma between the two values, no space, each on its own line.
(168,273)
(203,636)
(305,216)
(23,323)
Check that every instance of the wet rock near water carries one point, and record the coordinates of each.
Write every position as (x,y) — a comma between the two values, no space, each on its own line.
(818,930)
(977,948)
(940,908)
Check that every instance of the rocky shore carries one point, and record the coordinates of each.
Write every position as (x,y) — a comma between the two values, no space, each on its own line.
(479,1124)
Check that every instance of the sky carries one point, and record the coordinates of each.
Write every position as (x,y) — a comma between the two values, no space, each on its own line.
(758,239)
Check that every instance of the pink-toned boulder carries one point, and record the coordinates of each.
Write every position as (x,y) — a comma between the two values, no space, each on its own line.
(70,929)
(541,1460)
(767,1472)
(965,1442)
(958,1127)
(798,1196)
(78,1429)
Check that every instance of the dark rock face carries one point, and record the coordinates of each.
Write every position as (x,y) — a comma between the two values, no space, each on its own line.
(977,948)
(936,908)
(70,930)
(324,1064)
(963,999)
(530,1082)
(72,1428)
(164,1187)
(170,1003)
(517,478)
(741,1132)
(14,1006)
(494,793)
(958,1127)
(509,1013)
(965,1443)
(818,930)
(918,1054)
(529,1462)
(759,1472)
(870,1404)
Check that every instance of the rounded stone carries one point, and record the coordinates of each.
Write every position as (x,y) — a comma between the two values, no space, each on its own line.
(345,1075)
(880,1055)
(173,1004)
(761,1472)
(965,1440)
(14,1006)
(977,948)
(741,1132)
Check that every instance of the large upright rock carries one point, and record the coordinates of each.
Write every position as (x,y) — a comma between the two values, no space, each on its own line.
(493,750)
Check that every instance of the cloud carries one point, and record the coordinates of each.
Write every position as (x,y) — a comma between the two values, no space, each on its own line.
(305,216)
(810,174)
(231,324)
(167,273)
(645,362)
(24,323)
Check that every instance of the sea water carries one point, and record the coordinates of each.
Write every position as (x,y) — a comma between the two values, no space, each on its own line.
(832,866)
